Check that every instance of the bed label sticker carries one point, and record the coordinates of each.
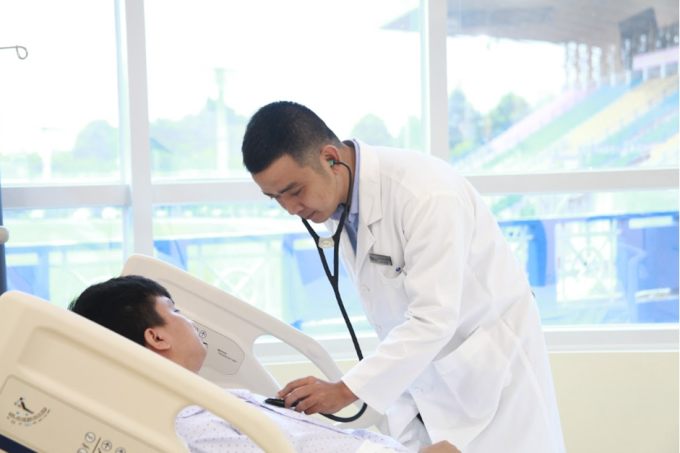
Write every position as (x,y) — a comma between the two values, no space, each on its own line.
(224,355)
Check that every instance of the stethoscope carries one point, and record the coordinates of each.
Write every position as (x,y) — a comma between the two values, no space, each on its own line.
(334,241)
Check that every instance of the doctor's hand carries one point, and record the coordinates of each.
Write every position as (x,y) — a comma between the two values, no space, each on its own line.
(439,447)
(314,395)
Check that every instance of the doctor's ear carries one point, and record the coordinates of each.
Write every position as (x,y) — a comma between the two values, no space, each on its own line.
(330,154)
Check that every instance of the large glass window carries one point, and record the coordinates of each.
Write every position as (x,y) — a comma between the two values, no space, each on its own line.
(591,258)
(597,258)
(581,87)
(231,58)
(57,253)
(259,253)
(590,89)
(59,106)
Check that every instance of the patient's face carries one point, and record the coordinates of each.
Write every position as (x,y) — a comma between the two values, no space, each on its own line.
(186,348)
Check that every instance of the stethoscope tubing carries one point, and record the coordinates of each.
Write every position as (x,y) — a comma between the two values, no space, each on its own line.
(333,279)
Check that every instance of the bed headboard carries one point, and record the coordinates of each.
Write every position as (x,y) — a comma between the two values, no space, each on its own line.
(68,384)
(230,327)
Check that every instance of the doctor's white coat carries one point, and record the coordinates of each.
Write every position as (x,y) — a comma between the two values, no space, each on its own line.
(461,339)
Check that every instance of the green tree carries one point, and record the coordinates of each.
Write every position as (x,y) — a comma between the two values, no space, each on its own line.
(373,131)
(410,135)
(465,126)
(191,142)
(21,165)
(95,150)
(97,141)
(510,109)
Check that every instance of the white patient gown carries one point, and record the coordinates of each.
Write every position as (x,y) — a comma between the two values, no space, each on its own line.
(206,433)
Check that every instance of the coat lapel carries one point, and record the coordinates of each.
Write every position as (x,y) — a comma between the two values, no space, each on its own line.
(370,210)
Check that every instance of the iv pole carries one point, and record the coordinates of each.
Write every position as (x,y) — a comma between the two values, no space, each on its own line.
(18,53)
(4,234)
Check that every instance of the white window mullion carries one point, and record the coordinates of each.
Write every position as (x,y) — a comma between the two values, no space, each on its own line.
(527,183)
(134,126)
(435,111)
(576,181)
(190,192)
(46,197)
(206,192)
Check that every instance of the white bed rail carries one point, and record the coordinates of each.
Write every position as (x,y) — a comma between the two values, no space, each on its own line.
(231,327)
(70,385)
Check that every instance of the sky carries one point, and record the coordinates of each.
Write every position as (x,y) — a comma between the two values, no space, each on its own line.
(334,57)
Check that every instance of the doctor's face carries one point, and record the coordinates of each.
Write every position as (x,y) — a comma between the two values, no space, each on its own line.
(310,193)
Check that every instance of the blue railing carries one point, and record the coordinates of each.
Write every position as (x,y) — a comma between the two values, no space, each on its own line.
(584,270)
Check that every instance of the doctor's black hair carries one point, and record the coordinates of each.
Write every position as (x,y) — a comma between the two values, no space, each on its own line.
(126,305)
(281,128)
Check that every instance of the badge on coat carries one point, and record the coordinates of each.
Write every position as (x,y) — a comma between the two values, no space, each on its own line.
(380,259)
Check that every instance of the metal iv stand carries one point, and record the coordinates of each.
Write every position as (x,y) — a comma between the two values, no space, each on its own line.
(4,234)
(17,48)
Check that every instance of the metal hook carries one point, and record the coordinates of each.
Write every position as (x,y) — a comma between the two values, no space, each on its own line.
(18,53)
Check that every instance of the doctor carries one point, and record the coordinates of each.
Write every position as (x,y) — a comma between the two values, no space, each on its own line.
(461,342)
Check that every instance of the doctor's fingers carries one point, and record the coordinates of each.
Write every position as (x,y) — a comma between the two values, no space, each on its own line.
(307,396)
(309,405)
(324,397)
(292,385)
(319,401)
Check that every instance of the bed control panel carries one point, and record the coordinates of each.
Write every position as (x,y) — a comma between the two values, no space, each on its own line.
(42,423)
(224,355)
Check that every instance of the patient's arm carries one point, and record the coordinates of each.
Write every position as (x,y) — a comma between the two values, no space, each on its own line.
(439,447)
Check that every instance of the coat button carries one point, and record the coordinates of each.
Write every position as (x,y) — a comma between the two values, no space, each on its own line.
(365,290)
(377,328)
(417,392)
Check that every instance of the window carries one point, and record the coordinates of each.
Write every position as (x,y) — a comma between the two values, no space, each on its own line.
(259,253)
(58,134)
(338,59)
(57,253)
(597,258)
(129,141)
(581,88)
(584,89)
(59,115)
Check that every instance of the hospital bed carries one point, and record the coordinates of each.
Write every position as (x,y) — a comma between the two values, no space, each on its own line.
(69,385)
(229,327)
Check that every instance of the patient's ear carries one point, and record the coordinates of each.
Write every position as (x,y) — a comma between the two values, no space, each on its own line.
(156,340)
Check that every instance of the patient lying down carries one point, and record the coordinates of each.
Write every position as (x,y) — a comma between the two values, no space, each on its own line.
(143,311)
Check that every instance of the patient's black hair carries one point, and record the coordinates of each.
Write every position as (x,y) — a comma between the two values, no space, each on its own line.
(126,305)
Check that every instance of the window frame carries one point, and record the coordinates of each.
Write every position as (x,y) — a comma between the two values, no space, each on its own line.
(137,194)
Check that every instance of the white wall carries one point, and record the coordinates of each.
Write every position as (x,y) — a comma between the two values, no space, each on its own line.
(610,402)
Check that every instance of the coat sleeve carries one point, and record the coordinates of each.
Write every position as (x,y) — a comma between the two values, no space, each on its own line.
(438,233)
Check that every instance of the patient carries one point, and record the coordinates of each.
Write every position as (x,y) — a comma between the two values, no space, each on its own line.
(143,311)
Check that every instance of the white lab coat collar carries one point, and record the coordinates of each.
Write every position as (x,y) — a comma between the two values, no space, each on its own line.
(370,207)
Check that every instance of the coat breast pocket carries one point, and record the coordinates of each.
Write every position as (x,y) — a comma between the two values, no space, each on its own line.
(393,284)
(476,373)
(392,298)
